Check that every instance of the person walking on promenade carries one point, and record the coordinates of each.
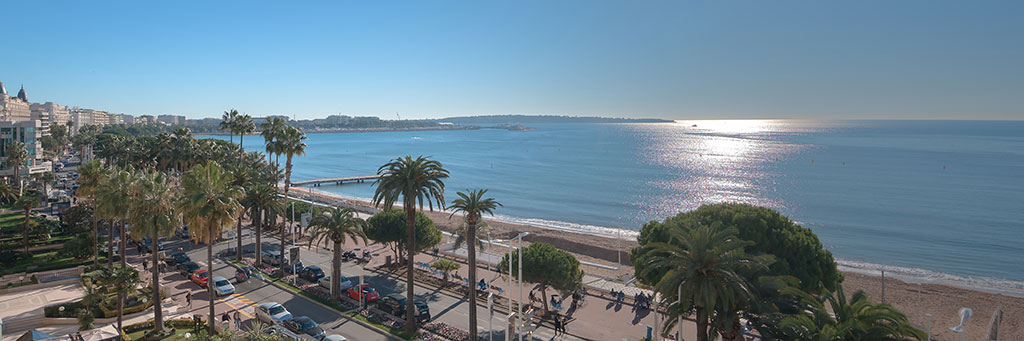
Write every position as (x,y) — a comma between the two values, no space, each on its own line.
(238,320)
(188,298)
(558,324)
(145,265)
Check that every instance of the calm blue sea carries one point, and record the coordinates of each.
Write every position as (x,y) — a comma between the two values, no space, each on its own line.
(938,201)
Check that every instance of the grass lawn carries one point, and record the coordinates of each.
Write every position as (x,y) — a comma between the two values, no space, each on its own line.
(179,334)
(41,258)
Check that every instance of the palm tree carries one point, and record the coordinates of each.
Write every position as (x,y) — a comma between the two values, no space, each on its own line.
(856,319)
(91,175)
(272,131)
(239,177)
(291,146)
(701,268)
(414,181)
(123,279)
(243,126)
(209,199)
(17,155)
(46,179)
(111,197)
(153,214)
(337,226)
(228,123)
(27,203)
(473,205)
(7,193)
(445,266)
(260,198)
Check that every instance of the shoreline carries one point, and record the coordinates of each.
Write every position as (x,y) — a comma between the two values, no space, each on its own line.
(364,130)
(913,297)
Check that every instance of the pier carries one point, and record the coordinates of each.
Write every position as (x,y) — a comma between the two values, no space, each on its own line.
(336,181)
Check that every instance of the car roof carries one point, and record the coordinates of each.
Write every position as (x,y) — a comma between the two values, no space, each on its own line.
(219,278)
(201,270)
(302,318)
(313,267)
(269,304)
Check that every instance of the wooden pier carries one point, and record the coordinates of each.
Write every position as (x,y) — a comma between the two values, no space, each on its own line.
(336,181)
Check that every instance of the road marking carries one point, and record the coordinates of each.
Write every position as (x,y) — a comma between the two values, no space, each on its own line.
(236,307)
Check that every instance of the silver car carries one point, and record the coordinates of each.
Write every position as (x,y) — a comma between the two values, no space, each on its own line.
(334,337)
(272,313)
(326,283)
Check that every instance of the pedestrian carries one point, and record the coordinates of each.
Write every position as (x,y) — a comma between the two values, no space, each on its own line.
(225,317)
(188,298)
(145,265)
(558,325)
(238,320)
(561,324)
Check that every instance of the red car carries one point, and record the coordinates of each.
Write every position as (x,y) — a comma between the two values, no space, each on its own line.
(201,277)
(357,291)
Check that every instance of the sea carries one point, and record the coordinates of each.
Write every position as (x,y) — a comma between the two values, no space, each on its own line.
(924,201)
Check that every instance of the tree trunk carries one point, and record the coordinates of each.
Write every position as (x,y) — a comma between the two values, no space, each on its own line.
(336,273)
(110,244)
(209,267)
(158,313)
(95,242)
(124,240)
(120,308)
(410,307)
(17,177)
(702,325)
(543,296)
(471,249)
(28,210)
(238,235)
(258,224)
(287,184)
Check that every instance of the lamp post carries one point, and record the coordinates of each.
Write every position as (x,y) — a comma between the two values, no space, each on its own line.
(519,315)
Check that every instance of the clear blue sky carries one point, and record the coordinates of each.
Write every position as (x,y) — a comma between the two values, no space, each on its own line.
(709,59)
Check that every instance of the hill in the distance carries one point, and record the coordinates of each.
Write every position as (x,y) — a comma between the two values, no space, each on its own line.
(527,119)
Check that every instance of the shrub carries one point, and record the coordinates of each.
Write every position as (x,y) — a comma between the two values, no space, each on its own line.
(79,247)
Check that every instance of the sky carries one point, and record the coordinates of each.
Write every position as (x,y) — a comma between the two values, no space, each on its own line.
(428,59)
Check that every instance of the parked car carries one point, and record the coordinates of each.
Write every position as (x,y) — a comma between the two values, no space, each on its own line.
(304,325)
(175,257)
(187,268)
(395,304)
(246,272)
(272,313)
(271,257)
(344,284)
(200,277)
(222,287)
(312,274)
(358,291)
(334,337)
(282,332)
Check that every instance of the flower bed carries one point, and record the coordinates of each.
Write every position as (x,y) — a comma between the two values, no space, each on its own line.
(447,331)
(381,318)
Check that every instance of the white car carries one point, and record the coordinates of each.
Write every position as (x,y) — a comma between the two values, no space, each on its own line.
(272,313)
(222,286)
(334,337)
(326,283)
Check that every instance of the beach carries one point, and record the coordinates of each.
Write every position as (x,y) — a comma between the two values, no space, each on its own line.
(914,300)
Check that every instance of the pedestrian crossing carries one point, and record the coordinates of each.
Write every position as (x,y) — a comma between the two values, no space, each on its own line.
(241,303)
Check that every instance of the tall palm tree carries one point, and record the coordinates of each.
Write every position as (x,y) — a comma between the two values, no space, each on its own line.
(272,130)
(46,179)
(261,198)
(17,155)
(243,126)
(337,226)
(27,203)
(831,316)
(473,205)
(7,193)
(123,280)
(239,177)
(413,181)
(91,175)
(209,199)
(291,145)
(112,194)
(701,268)
(153,213)
(228,123)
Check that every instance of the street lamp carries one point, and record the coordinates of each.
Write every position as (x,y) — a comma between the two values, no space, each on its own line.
(519,315)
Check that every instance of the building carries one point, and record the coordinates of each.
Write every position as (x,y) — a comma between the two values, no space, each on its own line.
(50,114)
(83,117)
(171,119)
(28,133)
(14,108)
(127,119)
(146,119)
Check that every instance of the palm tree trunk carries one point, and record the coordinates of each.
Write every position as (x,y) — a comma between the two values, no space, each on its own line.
(124,240)
(410,307)
(28,210)
(158,313)
(238,235)
(336,273)
(543,293)
(257,222)
(287,183)
(209,267)
(110,243)
(17,177)
(120,308)
(471,248)
(702,325)
(95,242)
(281,262)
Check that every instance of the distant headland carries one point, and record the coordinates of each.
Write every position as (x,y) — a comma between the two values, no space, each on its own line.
(528,119)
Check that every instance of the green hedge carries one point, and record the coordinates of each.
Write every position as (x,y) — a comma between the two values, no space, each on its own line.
(173,323)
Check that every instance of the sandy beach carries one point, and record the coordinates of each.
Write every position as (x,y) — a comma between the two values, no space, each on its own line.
(915,300)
